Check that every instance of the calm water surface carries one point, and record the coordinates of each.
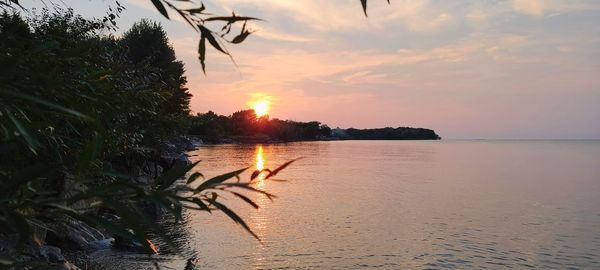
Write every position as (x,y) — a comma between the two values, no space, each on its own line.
(409,205)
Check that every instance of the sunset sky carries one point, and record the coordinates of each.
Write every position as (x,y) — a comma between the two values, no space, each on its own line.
(468,69)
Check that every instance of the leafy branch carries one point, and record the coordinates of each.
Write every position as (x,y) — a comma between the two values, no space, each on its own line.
(198,19)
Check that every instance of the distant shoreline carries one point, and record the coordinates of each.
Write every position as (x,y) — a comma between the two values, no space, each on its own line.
(266,140)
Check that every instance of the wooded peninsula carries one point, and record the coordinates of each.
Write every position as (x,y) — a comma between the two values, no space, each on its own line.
(244,126)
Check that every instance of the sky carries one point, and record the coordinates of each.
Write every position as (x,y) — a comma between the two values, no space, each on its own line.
(487,69)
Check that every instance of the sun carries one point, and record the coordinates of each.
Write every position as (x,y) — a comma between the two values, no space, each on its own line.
(261,108)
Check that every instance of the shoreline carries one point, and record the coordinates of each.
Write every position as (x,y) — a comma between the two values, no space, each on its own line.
(263,140)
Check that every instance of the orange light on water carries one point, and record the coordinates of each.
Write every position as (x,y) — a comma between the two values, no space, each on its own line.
(260,165)
(152,246)
(260,160)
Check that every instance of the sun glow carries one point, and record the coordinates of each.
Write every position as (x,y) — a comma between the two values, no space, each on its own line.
(261,108)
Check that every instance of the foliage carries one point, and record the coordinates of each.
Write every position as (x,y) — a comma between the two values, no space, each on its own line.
(147,46)
(77,110)
(246,123)
(198,18)
(388,133)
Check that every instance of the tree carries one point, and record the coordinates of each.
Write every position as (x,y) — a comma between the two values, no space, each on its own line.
(243,122)
(210,124)
(325,130)
(146,44)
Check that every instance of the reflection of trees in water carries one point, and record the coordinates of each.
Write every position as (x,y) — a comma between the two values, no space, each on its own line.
(178,233)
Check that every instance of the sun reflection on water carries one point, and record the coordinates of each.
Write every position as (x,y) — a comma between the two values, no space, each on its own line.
(260,165)
(259,219)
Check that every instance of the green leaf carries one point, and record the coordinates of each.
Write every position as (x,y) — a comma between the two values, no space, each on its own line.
(274,172)
(237,219)
(184,16)
(90,153)
(168,178)
(16,2)
(206,33)
(241,37)
(46,103)
(364,6)
(246,199)
(32,143)
(196,10)
(218,180)
(167,203)
(18,222)
(202,52)
(248,187)
(161,8)
(134,218)
(22,177)
(193,177)
(232,19)
(257,173)
(201,204)
(6,260)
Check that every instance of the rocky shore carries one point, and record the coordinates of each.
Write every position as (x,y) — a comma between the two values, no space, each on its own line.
(69,244)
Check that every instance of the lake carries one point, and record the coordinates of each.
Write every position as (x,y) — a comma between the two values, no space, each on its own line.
(408,205)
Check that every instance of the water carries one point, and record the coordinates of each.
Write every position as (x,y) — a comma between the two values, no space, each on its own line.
(409,205)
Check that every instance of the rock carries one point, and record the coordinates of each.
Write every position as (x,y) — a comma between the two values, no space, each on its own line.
(168,148)
(126,244)
(67,266)
(180,159)
(173,151)
(52,254)
(180,144)
(197,142)
(145,181)
(73,234)
(228,141)
(152,169)
(100,244)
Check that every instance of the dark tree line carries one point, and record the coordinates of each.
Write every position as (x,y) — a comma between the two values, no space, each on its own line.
(214,127)
(388,133)
(245,123)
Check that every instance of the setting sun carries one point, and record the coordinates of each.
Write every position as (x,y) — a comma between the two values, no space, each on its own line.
(261,108)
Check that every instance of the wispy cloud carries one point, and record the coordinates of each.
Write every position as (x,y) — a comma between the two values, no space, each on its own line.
(541,7)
